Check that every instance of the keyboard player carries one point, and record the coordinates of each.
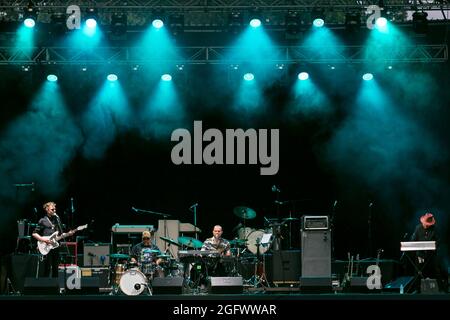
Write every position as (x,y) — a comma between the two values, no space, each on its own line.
(428,261)
(219,244)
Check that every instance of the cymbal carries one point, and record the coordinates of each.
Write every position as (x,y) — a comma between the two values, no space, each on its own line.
(151,250)
(244,212)
(171,241)
(238,242)
(290,219)
(163,256)
(119,256)
(190,242)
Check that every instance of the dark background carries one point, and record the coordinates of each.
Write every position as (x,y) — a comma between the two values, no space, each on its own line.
(136,169)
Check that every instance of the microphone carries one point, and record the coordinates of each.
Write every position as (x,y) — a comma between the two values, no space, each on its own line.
(266,220)
(335,204)
(405,235)
(193,206)
(137,286)
(134,209)
(72,208)
(370,205)
(275,189)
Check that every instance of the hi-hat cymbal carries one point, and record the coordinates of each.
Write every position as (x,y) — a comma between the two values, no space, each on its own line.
(190,242)
(171,241)
(290,219)
(119,256)
(238,242)
(244,212)
(163,256)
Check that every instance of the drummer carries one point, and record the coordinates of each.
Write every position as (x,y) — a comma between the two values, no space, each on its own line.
(147,248)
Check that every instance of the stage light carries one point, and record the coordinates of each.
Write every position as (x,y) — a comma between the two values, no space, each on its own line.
(52,78)
(176,23)
(293,22)
(381,22)
(255,23)
(91,18)
(235,21)
(255,19)
(58,24)
(420,22)
(367,76)
(249,76)
(119,24)
(29,16)
(303,76)
(318,18)
(157,23)
(352,21)
(29,22)
(166,77)
(112,77)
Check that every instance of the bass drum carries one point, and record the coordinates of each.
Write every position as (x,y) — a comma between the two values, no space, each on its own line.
(243,233)
(133,282)
(253,239)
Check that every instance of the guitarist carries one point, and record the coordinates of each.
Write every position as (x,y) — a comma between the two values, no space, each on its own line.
(46,227)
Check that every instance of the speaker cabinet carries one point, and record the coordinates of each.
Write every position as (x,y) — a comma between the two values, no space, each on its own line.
(316,253)
(225,285)
(41,286)
(169,285)
(96,254)
(283,267)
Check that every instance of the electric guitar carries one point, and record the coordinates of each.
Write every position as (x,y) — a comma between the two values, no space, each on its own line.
(44,248)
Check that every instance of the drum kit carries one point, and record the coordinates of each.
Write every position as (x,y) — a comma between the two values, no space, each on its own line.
(133,278)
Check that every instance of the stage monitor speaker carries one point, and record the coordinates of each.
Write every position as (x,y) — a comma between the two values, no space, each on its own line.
(225,285)
(283,267)
(41,286)
(96,254)
(429,286)
(359,285)
(87,286)
(394,286)
(169,285)
(316,253)
(315,284)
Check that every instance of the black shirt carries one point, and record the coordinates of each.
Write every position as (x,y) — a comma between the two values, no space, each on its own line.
(422,234)
(47,226)
(138,250)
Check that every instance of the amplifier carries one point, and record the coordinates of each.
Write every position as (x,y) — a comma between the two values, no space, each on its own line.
(315,223)
(96,254)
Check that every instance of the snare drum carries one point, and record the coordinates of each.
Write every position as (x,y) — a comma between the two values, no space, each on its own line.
(133,282)
(118,272)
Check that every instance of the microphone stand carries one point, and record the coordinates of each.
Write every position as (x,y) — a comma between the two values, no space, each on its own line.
(193,208)
(333,213)
(164,215)
(369,232)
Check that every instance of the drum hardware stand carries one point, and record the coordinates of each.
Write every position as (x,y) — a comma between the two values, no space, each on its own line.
(259,280)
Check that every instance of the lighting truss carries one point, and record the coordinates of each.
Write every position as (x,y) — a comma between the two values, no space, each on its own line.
(218,55)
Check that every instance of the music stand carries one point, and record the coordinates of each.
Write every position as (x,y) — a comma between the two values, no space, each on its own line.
(417,246)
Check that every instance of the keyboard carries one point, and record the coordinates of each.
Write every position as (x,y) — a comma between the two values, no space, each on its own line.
(417,245)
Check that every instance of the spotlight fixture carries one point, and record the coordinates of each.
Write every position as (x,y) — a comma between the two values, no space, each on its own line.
(249,76)
(367,76)
(29,15)
(112,77)
(91,18)
(255,19)
(318,18)
(352,21)
(235,21)
(52,78)
(166,77)
(176,23)
(58,24)
(158,19)
(119,24)
(293,22)
(420,22)
(303,76)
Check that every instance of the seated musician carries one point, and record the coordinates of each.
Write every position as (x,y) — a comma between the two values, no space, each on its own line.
(219,244)
(428,261)
(139,252)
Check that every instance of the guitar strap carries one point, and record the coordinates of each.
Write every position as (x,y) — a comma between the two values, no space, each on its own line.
(51,224)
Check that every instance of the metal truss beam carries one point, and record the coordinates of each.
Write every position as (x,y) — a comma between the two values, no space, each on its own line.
(220,55)
(211,5)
